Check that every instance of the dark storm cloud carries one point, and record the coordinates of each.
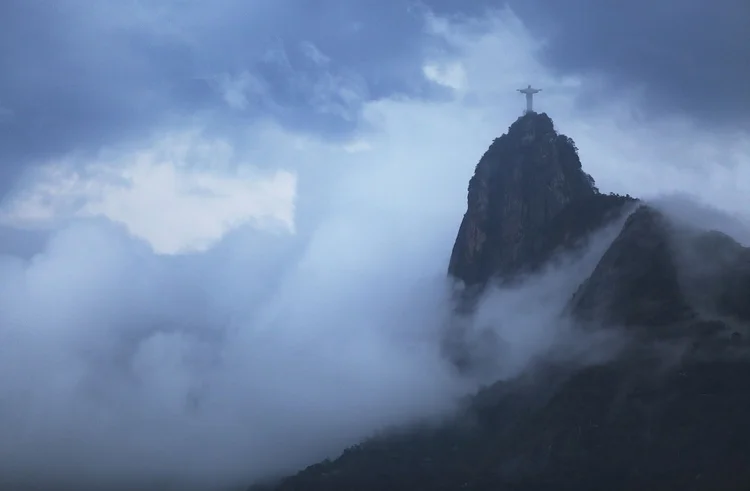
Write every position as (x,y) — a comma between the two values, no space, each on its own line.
(75,75)
(69,81)
(689,56)
(79,74)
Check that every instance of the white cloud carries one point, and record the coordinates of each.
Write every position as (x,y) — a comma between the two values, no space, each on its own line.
(339,94)
(277,55)
(198,207)
(314,54)
(357,146)
(450,75)
(267,352)
(238,90)
(181,194)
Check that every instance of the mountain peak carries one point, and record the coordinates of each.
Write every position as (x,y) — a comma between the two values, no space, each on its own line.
(525,178)
(532,120)
(670,288)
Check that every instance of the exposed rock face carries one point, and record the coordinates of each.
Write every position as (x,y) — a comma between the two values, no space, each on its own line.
(522,182)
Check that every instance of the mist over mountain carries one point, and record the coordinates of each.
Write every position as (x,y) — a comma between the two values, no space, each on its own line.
(225,229)
(608,334)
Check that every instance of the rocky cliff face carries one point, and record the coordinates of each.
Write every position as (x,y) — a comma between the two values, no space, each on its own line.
(523,181)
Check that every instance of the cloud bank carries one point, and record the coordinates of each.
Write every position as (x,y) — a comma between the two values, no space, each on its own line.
(306,314)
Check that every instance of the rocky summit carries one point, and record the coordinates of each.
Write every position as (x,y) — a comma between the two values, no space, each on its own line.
(520,185)
(670,411)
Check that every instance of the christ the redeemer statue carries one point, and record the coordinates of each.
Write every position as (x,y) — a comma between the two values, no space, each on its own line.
(529,97)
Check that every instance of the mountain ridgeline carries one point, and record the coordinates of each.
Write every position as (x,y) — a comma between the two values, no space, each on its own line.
(670,411)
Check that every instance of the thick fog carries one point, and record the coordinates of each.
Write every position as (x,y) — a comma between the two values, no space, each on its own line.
(263,354)
(515,327)
(269,349)
(260,355)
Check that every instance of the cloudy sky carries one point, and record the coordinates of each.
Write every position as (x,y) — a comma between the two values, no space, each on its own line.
(232,163)
(203,109)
